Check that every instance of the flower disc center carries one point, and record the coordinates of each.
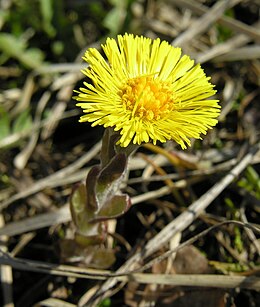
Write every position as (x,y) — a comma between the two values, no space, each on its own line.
(147,97)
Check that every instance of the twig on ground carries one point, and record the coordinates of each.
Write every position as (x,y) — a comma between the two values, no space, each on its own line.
(26,96)
(233,24)
(249,232)
(54,302)
(222,48)
(16,137)
(60,68)
(50,180)
(203,23)
(240,54)
(22,158)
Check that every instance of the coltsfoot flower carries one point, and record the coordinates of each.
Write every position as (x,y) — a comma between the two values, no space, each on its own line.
(147,91)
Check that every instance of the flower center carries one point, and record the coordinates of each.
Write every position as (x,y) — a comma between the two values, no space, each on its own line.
(147,98)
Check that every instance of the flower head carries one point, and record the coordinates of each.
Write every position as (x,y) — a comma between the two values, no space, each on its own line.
(147,91)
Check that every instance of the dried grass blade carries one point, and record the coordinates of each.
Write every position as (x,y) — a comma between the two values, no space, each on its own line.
(204,22)
(231,23)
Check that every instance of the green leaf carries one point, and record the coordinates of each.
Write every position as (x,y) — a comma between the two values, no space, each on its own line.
(87,233)
(86,240)
(91,188)
(4,124)
(105,303)
(80,211)
(114,207)
(101,257)
(46,7)
(11,45)
(23,122)
(252,175)
(238,240)
(230,204)
(115,18)
(32,58)
(14,47)
(251,182)
(92,256)
(111,173)
(109,179)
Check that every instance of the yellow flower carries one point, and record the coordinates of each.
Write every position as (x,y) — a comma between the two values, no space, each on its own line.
(147,91)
